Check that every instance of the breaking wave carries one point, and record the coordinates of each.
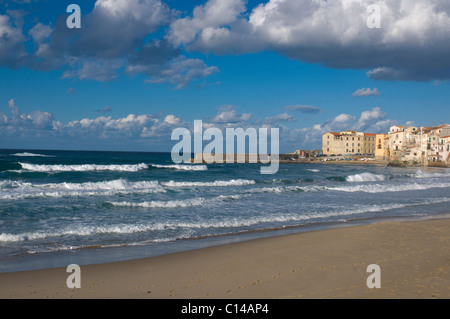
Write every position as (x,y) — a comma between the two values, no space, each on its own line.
(192,202)
(10,190)
(210,223)
(233,182)
(182,167)
(365,177)
(84,167)
(27,154)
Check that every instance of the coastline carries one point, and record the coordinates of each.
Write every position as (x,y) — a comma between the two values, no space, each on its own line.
(329,263)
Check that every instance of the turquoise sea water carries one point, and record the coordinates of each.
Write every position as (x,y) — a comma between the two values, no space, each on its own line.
(61,207)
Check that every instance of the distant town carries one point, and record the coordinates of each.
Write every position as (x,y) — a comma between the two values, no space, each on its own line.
(427,146)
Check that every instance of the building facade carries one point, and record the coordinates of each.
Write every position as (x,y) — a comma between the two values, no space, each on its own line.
(348,143)
(382,146)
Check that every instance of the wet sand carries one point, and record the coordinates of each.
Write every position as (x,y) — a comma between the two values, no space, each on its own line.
(414,261)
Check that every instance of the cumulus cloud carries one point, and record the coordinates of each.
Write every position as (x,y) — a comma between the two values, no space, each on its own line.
(214,14)
(21,122)
(12,40)
(413,42)
(141,127)
(366,92)
(113,40)
(180,72)
(368,118)
(228,115)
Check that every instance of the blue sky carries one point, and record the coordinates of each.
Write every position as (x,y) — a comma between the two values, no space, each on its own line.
(138,69)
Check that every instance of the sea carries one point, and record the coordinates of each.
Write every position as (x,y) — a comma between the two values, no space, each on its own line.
(78,207)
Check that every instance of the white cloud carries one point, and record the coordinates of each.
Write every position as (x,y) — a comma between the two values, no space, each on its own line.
(35,120)
(367,119)
(93,69)
(12,50)
(180,72)
(214,14)
(366,92)
(40,33)
(273,120)
(113,40)
(231,116)
(412,44)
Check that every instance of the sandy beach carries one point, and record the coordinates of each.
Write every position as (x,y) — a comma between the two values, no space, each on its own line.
(414,259)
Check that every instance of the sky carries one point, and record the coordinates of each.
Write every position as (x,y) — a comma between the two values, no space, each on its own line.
(138,69)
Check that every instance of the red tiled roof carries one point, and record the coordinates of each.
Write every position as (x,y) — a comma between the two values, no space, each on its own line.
(433,127)
(334,133)
(369,134)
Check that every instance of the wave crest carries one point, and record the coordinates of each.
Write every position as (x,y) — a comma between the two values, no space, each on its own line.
(84,167)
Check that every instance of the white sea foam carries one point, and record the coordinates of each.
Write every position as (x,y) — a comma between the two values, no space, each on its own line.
(379,188)
(366,188)
(210,223)
(10,190)
(365,177)
(84,167)
(26,154)
(191,202)
(182,167)
(313,170)
(162,204)
(233,182)
(277,189)
(421,174)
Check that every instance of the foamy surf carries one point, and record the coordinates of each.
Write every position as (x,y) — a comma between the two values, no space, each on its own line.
(182,167)
(365,177)
(11,190)
(421,174)
(27,154)
(162,204)
(83,167)
(191,202)
(233,182)
(215,222)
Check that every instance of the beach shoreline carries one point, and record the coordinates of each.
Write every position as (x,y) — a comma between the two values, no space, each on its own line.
(414,258)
